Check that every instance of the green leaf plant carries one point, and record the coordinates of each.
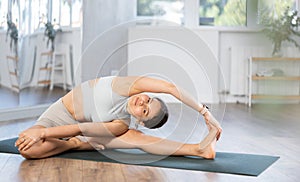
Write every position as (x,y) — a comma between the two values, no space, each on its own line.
(281,28)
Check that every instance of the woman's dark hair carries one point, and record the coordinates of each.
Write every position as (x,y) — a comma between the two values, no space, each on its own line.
(160,119)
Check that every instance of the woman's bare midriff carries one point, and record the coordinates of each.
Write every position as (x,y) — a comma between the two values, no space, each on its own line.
(73,101)
(69,101)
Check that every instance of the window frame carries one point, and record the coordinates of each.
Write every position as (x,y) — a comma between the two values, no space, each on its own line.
(237,26)
(151,19)
(251,20)
(49,16)
(3,20)
(191,17)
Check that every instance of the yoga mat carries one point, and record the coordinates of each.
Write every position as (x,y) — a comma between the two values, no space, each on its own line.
(232,163)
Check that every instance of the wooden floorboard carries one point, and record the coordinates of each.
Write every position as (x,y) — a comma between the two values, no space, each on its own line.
(263,129)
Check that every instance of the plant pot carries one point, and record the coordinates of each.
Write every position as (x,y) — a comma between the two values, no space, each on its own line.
(277,52)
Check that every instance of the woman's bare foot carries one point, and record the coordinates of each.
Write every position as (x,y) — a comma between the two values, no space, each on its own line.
(206,148)
(80,145)
(209,151)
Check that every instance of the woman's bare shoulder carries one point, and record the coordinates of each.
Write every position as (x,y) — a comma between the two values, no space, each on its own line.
(126,80)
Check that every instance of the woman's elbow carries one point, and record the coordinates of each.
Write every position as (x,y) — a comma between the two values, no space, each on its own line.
(172,89)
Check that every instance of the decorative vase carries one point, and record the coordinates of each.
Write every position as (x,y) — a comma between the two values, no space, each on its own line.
(277,52)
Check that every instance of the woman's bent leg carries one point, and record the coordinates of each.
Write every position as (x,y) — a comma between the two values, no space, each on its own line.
(48,147)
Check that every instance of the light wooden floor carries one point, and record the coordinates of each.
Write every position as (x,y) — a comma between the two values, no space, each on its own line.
(263,129)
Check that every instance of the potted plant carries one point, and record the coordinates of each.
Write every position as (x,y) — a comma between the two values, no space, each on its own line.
(12,31)
(281,28)
(50,32)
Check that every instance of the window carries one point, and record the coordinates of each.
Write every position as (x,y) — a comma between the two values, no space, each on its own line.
(24,19)
(38,14)
(273,8)
(76,14)
(60,12)
(223,12)
(3,12)
(169,10)
(66,12)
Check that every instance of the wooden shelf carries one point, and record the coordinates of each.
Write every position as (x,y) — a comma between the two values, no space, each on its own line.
(13,73)
(276,97)
(254,79)
(12,58)
(44,82)
(16,87)
(46,68)
(297,78)
(275,59)
(49,53)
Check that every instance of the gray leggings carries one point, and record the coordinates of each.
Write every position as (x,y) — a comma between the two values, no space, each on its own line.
(56,115)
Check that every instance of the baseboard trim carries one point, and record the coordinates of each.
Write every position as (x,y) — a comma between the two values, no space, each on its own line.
(22,112)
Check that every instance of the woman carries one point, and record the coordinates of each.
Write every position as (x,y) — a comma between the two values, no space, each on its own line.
(102,109)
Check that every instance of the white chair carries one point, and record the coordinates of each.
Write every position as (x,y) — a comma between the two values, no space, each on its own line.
(45,68)
(59,64)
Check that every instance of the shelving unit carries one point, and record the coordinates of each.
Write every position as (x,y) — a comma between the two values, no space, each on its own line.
(290,76)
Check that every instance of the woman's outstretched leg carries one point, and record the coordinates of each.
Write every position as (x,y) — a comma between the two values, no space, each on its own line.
(155,145)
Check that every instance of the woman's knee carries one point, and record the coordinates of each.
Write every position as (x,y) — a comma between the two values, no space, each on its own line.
(33,152)
(29,154)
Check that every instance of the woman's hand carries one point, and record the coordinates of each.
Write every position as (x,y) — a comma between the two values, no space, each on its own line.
(211,121)
(29,137)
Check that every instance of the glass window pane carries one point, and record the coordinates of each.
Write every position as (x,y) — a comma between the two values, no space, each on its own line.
(223,12)
(65,13)
(76,13)
(170,10)
(3,12)
(24,18)
(55,12)
(38,14)
(273,8)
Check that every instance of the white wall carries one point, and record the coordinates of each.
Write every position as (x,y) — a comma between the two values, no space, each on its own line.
(180,55)
(104,33)
(4,63)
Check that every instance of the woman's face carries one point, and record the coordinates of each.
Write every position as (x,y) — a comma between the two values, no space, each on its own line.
(142,107)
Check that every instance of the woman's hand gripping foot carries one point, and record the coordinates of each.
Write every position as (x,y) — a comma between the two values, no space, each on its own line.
(211,120)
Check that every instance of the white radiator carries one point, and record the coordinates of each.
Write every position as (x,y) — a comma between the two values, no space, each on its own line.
(239,56)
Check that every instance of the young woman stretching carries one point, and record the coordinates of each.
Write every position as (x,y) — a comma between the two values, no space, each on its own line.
(101,110)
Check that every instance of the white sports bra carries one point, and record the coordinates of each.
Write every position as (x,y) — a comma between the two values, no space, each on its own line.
(101,103)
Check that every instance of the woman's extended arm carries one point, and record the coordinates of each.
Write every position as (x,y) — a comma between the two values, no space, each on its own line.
(146,84)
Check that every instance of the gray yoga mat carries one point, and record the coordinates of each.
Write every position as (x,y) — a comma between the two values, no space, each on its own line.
(232,163)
